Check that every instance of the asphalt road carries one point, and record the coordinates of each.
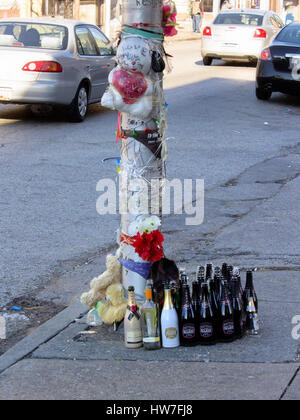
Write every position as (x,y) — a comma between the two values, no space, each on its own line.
(49,169)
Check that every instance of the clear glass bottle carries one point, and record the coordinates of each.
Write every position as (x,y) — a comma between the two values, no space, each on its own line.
(169,322)
(249,291)
(132,322)
(150,321)
(252,324)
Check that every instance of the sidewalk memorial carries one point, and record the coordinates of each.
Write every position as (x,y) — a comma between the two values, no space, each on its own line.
(136,92)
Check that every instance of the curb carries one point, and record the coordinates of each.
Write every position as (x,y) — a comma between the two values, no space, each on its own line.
(41,335)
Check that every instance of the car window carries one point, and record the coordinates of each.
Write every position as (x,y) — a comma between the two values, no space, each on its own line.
(238,19)
(85,42)
(290,34)
(29,35)
(275,22)
(103,44)
(280,22)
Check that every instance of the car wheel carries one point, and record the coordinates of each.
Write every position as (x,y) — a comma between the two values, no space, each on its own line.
(207,61)
(264,94)
(79,107)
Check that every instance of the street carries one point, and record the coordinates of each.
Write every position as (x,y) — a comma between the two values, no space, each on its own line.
(53,242)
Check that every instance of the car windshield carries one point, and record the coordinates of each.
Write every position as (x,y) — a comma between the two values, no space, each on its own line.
(33,35)
(290,35)
(238,19)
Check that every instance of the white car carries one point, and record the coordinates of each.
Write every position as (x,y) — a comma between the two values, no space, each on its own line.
(239,34)
(56,62)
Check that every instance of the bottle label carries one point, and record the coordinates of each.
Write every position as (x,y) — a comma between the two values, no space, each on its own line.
(188,331)
(206,330)
(171,333)
(151,339)
(228,327)
(134,337)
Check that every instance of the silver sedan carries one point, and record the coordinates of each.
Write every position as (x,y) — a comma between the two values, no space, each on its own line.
(56,62)
(239,34)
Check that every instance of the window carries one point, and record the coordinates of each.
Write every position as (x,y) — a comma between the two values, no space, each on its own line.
(238,19)
(290,35)
(28,35)
(85,42)
(102,42)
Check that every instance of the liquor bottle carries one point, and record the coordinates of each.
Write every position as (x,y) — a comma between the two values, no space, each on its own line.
(207,321)
(249,291)
(132,322)
(196,298)
(226,330)
(200,278)
(238,309)
(187,321)
(169,322)
(252,324)
(150,321)
(209,272)
(224,270)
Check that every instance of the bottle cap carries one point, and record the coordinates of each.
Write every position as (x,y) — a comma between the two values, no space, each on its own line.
(130,288)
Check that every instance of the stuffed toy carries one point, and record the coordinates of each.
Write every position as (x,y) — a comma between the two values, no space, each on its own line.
(112,275)
(114,307)
(130,85)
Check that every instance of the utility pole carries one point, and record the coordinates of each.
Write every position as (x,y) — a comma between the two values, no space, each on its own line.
(141,168)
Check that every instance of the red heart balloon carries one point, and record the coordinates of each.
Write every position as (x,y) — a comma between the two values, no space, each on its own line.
(130,85)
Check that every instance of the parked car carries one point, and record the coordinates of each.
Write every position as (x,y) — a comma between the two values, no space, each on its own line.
(239,34)
(278,68)
(56,62)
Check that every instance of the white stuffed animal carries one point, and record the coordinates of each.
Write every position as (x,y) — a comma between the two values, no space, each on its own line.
(130,86)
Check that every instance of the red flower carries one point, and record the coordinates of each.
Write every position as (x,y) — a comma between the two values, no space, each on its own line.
(149,245)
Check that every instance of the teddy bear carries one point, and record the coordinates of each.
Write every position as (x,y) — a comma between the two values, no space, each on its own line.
(113,309)
(130,85)
(99,285)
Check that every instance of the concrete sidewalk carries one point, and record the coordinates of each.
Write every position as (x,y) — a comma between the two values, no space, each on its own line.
(65,359)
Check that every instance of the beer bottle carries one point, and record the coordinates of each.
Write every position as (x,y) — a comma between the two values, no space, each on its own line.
(249,291)
(188,327)
(226,324)
(238,310)
(252,325)
(132,322)
(151,322)
(169,321)
(207,322)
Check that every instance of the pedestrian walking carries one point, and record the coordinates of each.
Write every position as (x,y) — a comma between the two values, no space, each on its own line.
(196,14)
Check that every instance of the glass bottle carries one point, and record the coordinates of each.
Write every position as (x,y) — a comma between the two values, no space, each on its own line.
(252,325)
(150,321)
(207,321)
(169,321)
(188,327)
(226,330)
(249,291)
(238,310)
(132,322)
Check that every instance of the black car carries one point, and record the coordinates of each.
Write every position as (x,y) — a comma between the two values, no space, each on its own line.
(278,68)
